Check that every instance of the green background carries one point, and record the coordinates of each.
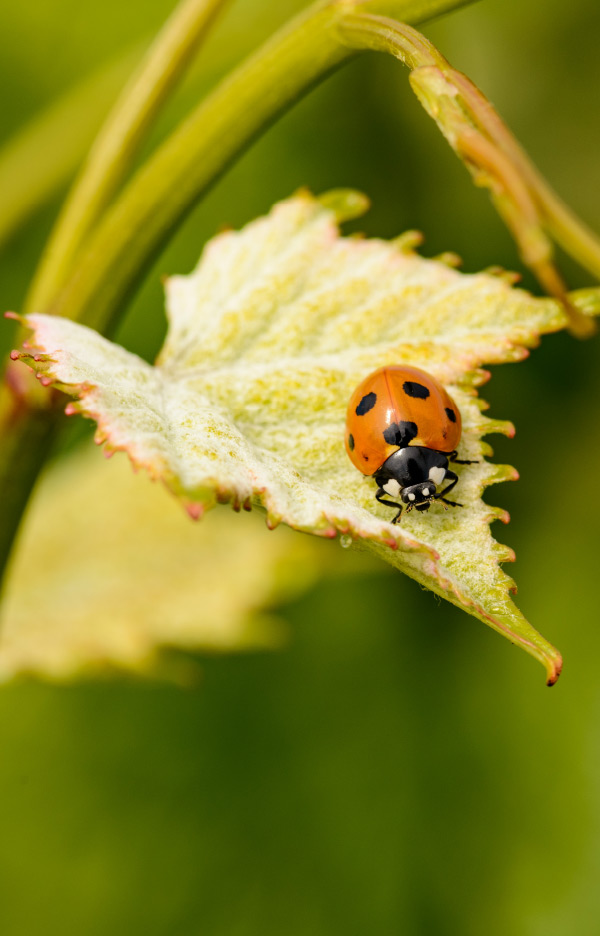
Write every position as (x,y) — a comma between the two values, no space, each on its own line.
(399,769)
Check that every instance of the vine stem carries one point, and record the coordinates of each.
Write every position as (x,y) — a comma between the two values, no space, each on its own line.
(128,235)
(118,142)
(47,151)
(525,201)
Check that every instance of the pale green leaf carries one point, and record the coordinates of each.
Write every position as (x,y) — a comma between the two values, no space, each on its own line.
(267,339)
(108,576)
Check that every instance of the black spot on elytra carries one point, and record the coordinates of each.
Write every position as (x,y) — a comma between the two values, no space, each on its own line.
(450,414)
(414,389)
(401,433)
(367,403)
(351,442)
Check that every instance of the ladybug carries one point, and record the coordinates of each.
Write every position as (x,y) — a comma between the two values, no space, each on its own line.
(403,428)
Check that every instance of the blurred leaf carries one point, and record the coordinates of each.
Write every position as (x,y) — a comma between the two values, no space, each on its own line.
(267,340)
(109,573)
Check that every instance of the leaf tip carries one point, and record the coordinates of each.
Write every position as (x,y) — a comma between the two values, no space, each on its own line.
(579,324)
(449,259)
(272,521)
(511,277)
(194,509)
(409,241)
(346,204)
(500,514)
(553,669)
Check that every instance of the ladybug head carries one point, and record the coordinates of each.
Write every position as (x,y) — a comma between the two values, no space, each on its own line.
(419,495)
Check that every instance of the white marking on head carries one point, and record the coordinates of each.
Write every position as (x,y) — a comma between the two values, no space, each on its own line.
(437,475)
(426,491)
(392,487)
(411,496)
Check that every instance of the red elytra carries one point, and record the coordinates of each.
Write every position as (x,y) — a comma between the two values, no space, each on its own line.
(397,396)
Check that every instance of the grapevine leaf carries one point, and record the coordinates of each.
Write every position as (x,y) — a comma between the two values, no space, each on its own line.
(267,339)
(108,576)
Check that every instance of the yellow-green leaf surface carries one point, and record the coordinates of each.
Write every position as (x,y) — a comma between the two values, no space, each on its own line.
(267,339)
(109,574)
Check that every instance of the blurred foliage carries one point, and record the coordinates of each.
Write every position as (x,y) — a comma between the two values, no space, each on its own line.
(397,769)
(111,576)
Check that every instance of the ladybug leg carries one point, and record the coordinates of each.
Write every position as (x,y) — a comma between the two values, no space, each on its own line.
(453,481)
(459,461)
(380,496)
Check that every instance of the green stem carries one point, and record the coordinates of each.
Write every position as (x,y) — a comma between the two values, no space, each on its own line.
(200,150)
(380,34)
(522,197)
(566,228)
(575,237)
(46,152)
(118,142)
(26,442)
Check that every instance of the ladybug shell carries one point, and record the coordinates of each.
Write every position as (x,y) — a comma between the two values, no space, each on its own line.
(395,407)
